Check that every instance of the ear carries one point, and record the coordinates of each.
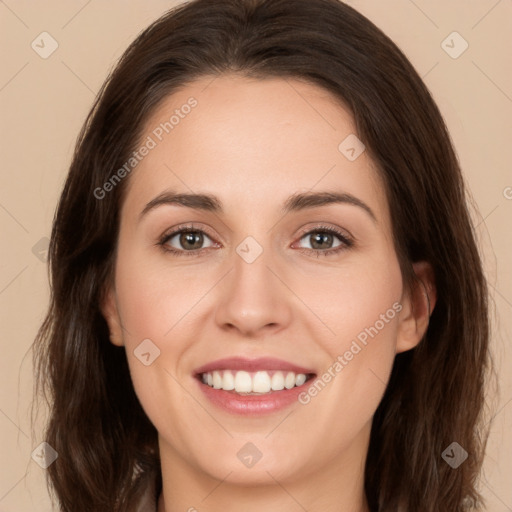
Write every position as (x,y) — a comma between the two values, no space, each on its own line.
(110,312)
(417,306)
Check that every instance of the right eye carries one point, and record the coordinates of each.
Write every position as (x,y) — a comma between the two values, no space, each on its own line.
(185,241)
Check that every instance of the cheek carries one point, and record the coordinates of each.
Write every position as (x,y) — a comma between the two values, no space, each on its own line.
(351,300)
(151,301)
(362,309)
(152,296)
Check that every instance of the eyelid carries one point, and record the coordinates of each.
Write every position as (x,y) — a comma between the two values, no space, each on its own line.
(188,226)
(324,227)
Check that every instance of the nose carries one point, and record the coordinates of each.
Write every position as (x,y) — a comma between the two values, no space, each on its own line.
(253,299)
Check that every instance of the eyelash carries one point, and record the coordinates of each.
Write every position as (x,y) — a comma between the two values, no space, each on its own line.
(346,241)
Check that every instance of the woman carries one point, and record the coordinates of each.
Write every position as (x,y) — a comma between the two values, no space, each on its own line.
(266,292)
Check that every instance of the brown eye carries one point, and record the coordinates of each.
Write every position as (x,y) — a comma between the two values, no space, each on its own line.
(325,241)
(321,240)
(187,240)
(192,240)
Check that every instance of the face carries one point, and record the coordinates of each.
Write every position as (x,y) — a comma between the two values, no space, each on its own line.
(280,258)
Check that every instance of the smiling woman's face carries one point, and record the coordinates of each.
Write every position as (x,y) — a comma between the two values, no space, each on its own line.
(262,273)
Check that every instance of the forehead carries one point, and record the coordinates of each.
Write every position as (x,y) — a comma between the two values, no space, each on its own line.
(250,140)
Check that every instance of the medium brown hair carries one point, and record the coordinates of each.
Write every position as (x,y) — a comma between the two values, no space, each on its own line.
(107,445)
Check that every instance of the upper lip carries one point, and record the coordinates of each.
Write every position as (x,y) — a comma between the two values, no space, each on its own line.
(251,365)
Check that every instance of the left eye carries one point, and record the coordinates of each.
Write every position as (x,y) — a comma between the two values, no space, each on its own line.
(321,240)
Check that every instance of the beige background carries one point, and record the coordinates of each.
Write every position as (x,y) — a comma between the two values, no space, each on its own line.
(44,101)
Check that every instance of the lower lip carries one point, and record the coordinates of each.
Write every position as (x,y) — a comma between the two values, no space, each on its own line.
(252,405)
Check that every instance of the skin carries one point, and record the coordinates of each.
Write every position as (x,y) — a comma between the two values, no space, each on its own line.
(253,143)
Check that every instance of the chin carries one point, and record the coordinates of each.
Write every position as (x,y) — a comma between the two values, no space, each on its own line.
(255,472)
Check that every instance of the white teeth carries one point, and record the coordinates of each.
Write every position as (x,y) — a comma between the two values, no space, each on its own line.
(289,380)
(261,382)
(300,379)
(278,381)
(228,382)
(243,382)
(257,382)
(217,380)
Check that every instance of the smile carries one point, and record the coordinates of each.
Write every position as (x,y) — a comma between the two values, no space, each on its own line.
(260,382)
(252,387)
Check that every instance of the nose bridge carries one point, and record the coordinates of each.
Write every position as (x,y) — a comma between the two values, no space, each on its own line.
(254,298)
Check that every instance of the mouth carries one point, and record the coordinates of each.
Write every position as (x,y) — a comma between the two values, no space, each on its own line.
(262,382)
(252,387)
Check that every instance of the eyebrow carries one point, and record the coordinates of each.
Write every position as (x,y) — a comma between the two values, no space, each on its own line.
(296,202)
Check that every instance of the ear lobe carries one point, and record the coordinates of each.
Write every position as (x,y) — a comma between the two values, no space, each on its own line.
(417,306)
(110,312)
